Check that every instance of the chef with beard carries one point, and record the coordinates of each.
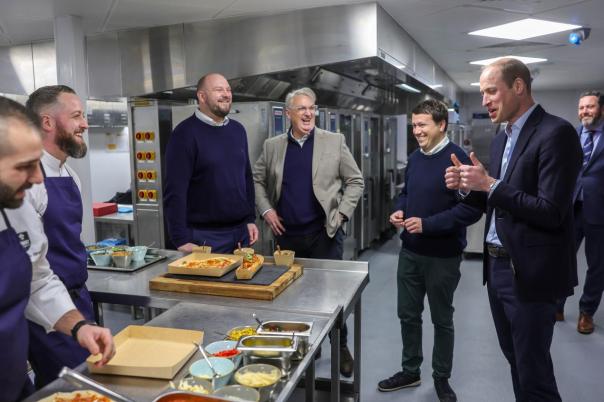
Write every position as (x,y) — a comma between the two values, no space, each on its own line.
(28,288)
(62,122)
(209,193)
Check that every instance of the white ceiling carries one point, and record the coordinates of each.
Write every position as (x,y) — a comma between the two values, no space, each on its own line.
(439,26)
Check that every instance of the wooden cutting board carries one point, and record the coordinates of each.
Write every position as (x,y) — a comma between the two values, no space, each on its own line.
(242,290)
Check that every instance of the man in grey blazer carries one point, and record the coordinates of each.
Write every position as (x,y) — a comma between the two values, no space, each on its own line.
(307,186)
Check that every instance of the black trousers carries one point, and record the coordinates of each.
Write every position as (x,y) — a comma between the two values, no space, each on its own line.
(594,254)
(525,331)
(317,245)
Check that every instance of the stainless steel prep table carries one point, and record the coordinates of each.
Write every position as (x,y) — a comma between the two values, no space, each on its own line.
(323,288)
(211,319)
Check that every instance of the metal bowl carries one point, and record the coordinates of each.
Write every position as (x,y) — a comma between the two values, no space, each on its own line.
(101,258)
(121,259)
(238,393)
(262,377)
(138,253)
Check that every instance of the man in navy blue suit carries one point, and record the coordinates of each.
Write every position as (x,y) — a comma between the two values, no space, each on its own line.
(589,208)
(529,256)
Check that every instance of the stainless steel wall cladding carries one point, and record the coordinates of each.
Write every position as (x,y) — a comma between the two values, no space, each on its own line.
(104,66)
(152,59)
(259,45)
(27,67)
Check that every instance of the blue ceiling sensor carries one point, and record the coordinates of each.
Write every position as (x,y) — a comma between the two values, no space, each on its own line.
(576,37)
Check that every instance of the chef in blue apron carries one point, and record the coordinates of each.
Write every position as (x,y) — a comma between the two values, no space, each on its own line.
(59,202)
(28,288)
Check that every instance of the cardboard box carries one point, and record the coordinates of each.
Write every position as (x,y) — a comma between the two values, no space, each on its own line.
(151,352)
(176,267)
(103,208)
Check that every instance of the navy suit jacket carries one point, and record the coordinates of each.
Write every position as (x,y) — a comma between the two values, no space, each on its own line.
(592,179)
(532,206)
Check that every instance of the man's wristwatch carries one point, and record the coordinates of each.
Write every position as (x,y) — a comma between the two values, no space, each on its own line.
(78,325)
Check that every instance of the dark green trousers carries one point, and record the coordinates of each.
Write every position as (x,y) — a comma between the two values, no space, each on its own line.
(418,276)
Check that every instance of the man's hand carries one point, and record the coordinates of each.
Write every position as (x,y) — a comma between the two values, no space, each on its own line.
(413,225)
(274,222)
(97,340)
(397,219)
(452,174)
(475,177)
(187,248)
(252,230)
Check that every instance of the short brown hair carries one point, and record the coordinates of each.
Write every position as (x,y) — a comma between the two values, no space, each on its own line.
(597,94)
(435,108)
(511,69)
(45,96)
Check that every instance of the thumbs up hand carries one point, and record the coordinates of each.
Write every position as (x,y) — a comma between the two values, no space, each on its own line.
(474,177)
(452,174)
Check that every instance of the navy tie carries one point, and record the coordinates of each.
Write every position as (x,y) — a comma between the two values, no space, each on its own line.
(588,147)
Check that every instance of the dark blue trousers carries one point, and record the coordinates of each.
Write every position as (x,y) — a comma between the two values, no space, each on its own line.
(525,331)
(222,240)
(594,254)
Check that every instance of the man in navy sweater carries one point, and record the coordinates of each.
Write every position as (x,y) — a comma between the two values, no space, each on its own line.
(209,194)
(434,236)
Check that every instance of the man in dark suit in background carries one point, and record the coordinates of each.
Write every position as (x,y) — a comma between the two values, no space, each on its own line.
(529,256)
(589,208)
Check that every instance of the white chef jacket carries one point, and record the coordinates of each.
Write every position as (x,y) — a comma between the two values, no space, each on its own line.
(49,300)
(52,168)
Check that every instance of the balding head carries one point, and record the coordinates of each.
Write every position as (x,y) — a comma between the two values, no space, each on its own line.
(214,96)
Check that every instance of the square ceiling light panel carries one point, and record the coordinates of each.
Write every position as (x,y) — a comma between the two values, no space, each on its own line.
(524,29)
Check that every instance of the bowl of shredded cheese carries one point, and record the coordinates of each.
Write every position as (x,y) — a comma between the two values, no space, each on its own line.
(262,377)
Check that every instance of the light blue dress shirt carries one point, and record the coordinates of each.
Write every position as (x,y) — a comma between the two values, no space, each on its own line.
(492,237)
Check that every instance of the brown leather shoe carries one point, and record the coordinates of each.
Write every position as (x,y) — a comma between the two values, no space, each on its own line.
(559,316)
(585,324)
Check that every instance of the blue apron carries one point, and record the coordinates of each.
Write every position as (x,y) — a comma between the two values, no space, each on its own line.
(15,283)
(48,353)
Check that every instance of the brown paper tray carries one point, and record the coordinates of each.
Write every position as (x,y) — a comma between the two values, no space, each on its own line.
(149,352)
(175,266)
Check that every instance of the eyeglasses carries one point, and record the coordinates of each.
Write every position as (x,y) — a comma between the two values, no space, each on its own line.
(303,109)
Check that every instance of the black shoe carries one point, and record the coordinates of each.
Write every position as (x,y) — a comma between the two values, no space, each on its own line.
(318,354)
(346,362)
(444,391)
(398,381)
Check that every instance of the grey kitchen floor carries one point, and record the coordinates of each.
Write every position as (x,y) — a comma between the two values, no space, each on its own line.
(480,372)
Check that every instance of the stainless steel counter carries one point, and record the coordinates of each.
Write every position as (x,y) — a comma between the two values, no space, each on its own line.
(212,319)
(325,287)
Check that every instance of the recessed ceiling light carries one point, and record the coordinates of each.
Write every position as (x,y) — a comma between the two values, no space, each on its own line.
(524,29)
(436,86)
(525,60)
(409,88)
(475,84)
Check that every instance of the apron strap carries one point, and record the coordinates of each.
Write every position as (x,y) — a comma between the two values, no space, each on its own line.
(42,169)
(6,221)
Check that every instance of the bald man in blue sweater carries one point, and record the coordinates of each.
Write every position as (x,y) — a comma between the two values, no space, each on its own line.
(209,194)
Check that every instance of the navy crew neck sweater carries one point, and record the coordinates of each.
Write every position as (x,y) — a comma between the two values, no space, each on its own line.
(208,179)
(297,206)
(426,196)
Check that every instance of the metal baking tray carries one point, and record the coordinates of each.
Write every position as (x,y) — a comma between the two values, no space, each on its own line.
(151,258)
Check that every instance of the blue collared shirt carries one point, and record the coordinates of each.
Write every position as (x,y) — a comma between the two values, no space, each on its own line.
(492,237)
(597,134)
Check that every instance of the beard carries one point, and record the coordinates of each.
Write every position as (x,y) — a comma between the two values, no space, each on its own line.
(220,109)
(591,122)
(7,197)
(70,145)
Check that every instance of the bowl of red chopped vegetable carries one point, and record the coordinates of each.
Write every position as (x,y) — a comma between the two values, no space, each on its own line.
(226,349)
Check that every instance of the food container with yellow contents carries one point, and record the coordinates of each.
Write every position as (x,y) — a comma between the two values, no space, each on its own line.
(196,385)
(262,377)
(300,329)
(284,257)
(275,350)
(243,251)
(121,258)
(239,332)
